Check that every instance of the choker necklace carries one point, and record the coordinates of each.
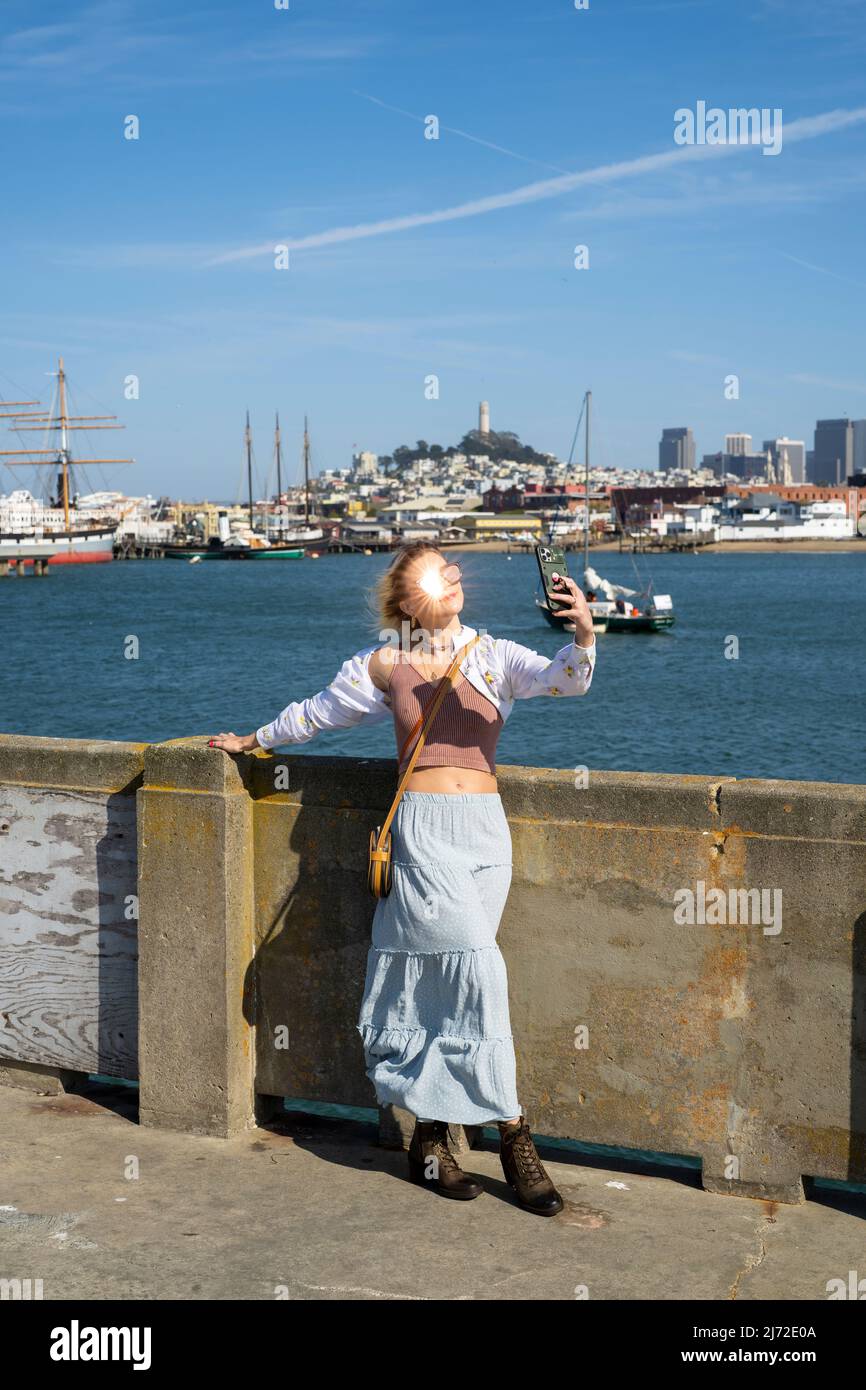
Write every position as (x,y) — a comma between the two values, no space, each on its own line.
(435,647)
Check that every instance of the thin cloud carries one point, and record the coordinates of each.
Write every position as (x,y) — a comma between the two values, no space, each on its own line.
(840,20)
(111,38)
(464,135)
(822,270)
(806,379)
(807,128)
(528,193)
(692,201)
(702,359)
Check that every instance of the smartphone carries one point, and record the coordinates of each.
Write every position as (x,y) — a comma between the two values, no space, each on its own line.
(552,560)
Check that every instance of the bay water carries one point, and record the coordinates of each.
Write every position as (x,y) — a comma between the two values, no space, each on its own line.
(763,674)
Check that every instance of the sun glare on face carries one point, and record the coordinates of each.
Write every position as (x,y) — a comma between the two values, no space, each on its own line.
(431,581)
(435,580)
(433,592)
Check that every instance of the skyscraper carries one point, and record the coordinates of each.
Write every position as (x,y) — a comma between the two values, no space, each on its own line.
(737,465)
(677,449)
(833,455)
(738,443)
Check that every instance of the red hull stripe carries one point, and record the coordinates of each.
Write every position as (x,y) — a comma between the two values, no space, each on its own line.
(76,557)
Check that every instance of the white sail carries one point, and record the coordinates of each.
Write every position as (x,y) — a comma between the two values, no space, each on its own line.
(594,581)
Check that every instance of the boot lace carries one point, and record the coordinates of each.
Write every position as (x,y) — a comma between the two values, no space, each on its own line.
(444,1156)
(439,1148)
(526,1156)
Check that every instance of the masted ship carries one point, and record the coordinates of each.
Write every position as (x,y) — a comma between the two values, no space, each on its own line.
(278,536)
(62,532)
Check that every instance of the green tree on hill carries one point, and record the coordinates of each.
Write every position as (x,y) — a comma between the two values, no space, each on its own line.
(497,445)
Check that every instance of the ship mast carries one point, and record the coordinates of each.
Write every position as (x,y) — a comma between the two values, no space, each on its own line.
(306,474)
(248,440)
(62,422)
(279,474)
(64,443)
(588,400)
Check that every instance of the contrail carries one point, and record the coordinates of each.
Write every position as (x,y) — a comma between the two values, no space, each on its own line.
(822,269)
(805,129)
(464,134)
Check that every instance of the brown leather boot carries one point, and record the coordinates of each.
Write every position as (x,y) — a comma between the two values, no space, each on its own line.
(432,1163)
(525,1172)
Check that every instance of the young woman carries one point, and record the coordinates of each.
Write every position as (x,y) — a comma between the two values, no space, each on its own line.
(434,1017)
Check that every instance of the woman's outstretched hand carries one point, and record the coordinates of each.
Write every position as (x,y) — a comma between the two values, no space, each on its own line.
(578,611)
(234,743)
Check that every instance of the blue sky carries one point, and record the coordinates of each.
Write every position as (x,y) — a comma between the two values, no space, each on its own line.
(305,126)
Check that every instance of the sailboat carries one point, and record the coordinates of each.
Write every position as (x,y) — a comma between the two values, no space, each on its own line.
(306,535)
(614,607)
(63,533)
(246,542)
(250,544)
(627,610)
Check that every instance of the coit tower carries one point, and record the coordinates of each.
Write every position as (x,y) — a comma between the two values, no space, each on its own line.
(484,418)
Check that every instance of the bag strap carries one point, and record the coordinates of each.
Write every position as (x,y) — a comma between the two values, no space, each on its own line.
(418,722)
(422,716)
(441,692)
(412,732)
(426,716)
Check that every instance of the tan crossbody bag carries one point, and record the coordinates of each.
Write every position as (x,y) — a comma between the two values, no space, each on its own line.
(379,861)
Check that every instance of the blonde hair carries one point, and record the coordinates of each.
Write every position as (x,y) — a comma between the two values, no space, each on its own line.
(385,610)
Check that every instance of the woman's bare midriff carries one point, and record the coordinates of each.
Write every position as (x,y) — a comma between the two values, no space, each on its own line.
(451,779)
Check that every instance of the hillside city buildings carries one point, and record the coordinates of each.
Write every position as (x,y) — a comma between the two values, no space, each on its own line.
(479,491)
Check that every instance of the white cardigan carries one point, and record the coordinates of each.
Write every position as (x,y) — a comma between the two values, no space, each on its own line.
(502,670)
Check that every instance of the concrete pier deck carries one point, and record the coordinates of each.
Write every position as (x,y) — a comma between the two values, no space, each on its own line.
(313,1209)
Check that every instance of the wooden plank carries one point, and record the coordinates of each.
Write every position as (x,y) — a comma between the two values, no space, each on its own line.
(68,944)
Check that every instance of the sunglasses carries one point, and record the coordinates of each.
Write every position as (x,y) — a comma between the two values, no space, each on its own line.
(435,582)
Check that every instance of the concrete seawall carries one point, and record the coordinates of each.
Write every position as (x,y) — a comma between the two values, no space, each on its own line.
(213,909)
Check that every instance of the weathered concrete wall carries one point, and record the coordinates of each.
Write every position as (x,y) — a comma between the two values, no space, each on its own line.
(740,1041)
(196,866)
(733,1041)
(68,929)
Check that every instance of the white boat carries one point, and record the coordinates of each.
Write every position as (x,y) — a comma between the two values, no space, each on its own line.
(625,610)
(25,522)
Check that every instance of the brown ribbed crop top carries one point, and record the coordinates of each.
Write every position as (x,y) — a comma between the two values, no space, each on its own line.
(464,732)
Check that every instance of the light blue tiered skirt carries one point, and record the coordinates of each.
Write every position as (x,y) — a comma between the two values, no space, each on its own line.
(434,1017)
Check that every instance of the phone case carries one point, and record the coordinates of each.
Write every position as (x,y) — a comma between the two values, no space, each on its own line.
(550,558)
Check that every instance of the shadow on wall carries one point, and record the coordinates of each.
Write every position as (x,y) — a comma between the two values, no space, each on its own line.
(764,1060)
(314,915)
(117,889)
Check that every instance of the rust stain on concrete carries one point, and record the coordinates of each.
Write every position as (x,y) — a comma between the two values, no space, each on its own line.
(708,1112)
(70,1107)
(835,1148)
